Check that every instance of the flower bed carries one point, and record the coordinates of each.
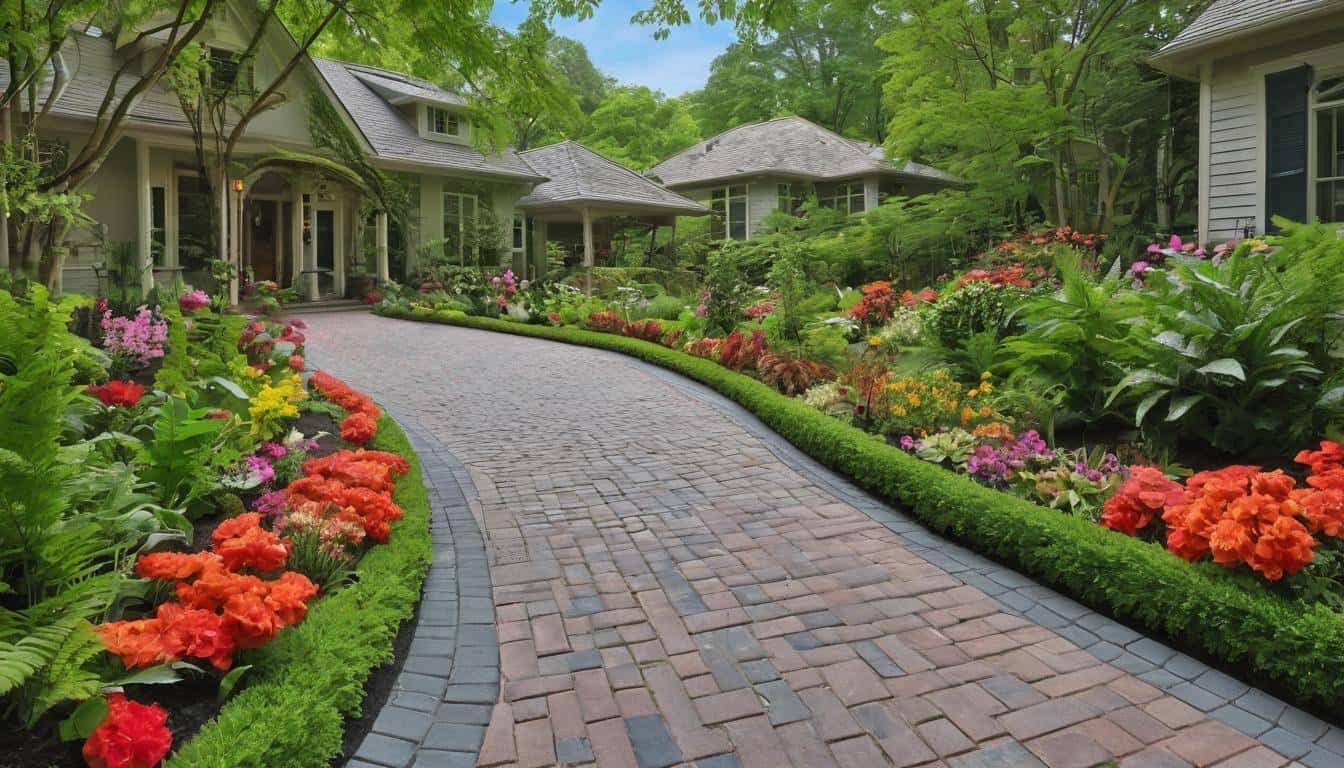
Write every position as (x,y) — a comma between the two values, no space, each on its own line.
(133,561)
(1290,644)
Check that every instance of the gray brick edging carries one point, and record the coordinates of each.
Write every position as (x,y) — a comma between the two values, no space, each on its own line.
(441,702)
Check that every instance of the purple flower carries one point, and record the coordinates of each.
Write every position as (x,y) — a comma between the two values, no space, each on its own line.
(261,469)
(907,443)
(194,300)
(271,503)
(274,450)
(1139,267)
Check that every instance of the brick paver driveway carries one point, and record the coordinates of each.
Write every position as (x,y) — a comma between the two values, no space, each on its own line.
(672,587)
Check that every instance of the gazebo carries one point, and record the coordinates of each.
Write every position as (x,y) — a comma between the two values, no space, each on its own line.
(585,187)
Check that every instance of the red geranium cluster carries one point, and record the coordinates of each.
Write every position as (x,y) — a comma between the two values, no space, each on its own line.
(131,735)
(1140,499)
(361,424)
(117,393)
(877,305)
(220,606)
(351,485)
(1239,514)
(1066,235)
(1015,275)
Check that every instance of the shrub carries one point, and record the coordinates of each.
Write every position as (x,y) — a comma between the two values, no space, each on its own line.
(664,308)
(605,322)
(973,308)
(792,375)
(740,351)
(877,305)
(645,330)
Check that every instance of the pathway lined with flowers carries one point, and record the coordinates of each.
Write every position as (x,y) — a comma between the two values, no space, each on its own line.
(674,585)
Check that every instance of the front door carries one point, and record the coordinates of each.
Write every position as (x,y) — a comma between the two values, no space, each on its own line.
(325,241)
(264,226)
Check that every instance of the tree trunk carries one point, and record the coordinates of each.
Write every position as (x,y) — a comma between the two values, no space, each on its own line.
(4,205)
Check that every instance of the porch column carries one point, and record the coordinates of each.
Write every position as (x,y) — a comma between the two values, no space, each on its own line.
(538,248)
(870,192)
(235,244)
(310,286)
(380,225)
(587,251)
(145,219)
(295,234)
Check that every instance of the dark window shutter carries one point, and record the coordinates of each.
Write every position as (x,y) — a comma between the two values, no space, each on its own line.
(1286,136)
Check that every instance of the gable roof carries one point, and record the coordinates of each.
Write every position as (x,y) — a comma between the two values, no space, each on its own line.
(392,136)
(787,146)
(579,175)
(1228,20)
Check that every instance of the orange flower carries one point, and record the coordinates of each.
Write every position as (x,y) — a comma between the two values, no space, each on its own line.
(1285,548)
(250,621)
(255,548)
(176,566)
(1323,508)
(1143,496)
(288,596)
(235,526)
(213,589)
(358,428)
(1330,457)
(198,634)
(139,643)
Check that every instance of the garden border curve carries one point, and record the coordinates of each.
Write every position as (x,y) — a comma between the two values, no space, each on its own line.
(1235,620)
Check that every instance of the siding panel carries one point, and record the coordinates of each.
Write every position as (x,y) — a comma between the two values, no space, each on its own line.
(1233,162)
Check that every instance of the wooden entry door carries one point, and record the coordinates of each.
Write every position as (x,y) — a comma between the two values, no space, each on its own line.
(263,219)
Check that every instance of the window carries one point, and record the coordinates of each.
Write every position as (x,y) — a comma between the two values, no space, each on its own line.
(1329,164)
(459,226)
(158,223)
(790,199)
(229,74)
(846,197)
(194,221)
(519,241)
(443,123)
(730,212)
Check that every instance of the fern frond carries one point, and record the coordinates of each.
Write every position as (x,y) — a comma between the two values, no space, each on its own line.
(65,678)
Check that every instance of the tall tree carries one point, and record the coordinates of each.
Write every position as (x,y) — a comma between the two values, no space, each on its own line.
(639,127)
(1035,99)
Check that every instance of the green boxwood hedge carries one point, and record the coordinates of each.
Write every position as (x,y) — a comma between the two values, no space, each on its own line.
(1295,647)
(304,684)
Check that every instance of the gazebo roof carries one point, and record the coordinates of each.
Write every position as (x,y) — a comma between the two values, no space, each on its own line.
(579,177)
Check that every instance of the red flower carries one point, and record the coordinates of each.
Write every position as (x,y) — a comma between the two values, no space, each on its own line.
(117,393)
(358,428)
(296,362)
(1140,498)
(250,621)
(138,643)
(255,548)
(1330,457)
(219,414)
(197,634)
(133,735)
(176,566)
(235,526)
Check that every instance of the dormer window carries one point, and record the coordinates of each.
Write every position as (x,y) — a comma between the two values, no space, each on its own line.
(229,74)
(444,123)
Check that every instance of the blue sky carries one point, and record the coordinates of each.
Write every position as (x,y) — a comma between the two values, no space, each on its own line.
(629,53)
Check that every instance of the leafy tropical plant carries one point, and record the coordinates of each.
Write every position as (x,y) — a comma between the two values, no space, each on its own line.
(179,455)
(1221,350)
(792,375)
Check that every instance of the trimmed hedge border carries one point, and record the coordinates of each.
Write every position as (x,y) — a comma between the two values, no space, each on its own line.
(1231,617)
(310,679)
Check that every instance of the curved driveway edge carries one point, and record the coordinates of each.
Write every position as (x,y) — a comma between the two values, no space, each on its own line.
(443,698)
(677,585)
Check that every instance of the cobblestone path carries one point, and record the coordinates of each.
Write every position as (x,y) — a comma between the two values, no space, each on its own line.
(671,584)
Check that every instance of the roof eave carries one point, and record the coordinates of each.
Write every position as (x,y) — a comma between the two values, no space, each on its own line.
(552,205)
(1183,60)
(399,164)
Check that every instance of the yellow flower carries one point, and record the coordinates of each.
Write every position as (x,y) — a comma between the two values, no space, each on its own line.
(874,341)
(985,411)
(966,415)
(986,376)
(898,410)
(973,393)
(915,399)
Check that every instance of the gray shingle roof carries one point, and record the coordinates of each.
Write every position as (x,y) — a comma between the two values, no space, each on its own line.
(789,146)
(394,137)
(579,175)
(1229,19)
(401,89)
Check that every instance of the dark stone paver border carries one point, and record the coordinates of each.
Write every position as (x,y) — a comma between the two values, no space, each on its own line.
(1294,733)
(449,682)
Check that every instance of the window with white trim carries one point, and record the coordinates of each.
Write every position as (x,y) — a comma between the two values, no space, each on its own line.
(790,198)
(730,212)
(518,241)
(441,122)
(846,196)
(1328,176)
(459,225)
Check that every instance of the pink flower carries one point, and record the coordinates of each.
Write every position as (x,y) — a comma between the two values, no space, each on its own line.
(260,469)
(190,302)
(140,338)
(274,450)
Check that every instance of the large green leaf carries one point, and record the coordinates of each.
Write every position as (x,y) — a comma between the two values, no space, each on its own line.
(1224,366)
(1182,405)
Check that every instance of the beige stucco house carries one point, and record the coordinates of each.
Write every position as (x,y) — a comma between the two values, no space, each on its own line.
(747,172)
(1271,111)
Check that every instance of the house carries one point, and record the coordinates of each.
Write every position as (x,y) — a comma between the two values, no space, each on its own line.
(749,171)
(288,218)
(1271,111)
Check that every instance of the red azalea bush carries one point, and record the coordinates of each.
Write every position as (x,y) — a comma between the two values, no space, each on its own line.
(1015,275)
(355,485)
(877,305)
(911,299)
(131,735)
(358,428)
(117,393)
(342,394)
